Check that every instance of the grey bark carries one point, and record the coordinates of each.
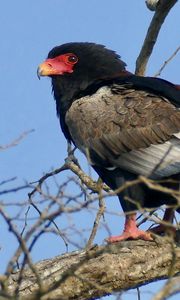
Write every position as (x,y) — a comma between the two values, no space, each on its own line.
(99,271)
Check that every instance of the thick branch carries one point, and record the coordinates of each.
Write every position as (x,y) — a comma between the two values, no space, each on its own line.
(102,270)
(162,11)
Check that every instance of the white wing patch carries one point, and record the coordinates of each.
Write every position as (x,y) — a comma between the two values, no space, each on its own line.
(156,161)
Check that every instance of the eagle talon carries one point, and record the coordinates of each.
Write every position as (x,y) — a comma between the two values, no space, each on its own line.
(139,234)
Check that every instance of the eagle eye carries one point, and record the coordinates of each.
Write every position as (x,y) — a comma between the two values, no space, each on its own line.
(72,59)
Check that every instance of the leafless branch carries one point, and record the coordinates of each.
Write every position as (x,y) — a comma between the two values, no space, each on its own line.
(166,62)
(17,140)
(152,34)
(96,222)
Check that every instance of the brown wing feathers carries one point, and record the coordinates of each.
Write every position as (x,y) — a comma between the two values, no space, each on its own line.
(113,124)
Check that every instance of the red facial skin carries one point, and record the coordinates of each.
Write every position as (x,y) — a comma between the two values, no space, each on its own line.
(58,66)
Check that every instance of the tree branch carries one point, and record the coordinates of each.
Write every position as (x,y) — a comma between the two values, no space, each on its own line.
(163,8)
(100,271)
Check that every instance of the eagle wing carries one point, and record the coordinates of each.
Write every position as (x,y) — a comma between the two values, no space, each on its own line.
(117,124)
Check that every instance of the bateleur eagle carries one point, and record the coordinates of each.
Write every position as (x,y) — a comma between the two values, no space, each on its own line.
(126,125)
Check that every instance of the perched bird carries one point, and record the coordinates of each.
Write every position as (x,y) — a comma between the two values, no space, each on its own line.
(126,125)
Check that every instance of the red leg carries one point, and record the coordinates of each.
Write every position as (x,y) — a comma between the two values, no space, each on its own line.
(131,231)
(168,218)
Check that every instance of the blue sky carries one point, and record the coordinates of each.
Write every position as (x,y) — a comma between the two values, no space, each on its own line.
(29,29)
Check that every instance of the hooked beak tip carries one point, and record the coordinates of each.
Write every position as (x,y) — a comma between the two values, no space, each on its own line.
(39,73)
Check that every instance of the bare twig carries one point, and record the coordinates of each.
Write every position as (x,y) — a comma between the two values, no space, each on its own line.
(75,168)
(97,220)
(166,62)
(7,180)
(171,287)
(22,245)
(16,141)
(138,293)
(16,189)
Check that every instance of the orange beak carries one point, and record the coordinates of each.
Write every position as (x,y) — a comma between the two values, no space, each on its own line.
(52,66)
(44,70)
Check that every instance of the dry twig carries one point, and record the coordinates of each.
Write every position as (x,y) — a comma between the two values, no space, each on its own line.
(166,62)
(16,141)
